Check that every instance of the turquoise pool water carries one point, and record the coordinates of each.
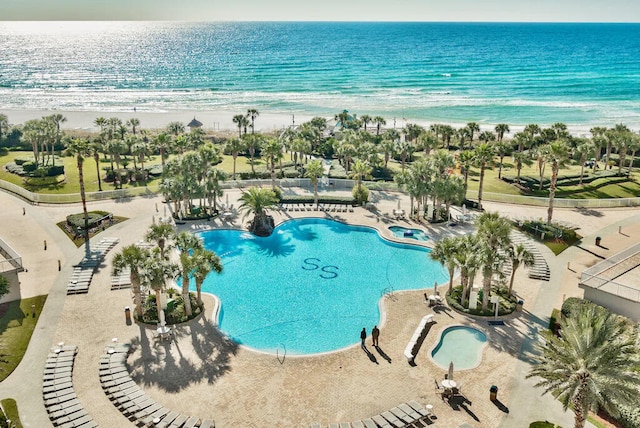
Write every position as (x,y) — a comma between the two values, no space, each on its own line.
(312,285)
(462,345)
(408,233)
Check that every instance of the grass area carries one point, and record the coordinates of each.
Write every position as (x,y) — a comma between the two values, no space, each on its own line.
(545,424)
(10,408)
(17,323)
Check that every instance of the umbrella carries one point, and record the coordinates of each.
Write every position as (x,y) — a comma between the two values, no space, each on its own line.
(450,374)
(398,203)
(435,288)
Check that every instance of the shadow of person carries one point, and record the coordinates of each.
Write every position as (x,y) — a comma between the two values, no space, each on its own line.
(382,354)
(500,406)
(370,355)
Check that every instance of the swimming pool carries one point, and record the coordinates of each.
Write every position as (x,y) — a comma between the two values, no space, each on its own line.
(460,344)
(312,285)
(408,233)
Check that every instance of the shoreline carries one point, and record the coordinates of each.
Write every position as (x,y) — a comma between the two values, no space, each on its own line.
(222,120)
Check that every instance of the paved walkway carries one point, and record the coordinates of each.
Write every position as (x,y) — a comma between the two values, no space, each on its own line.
(203,374)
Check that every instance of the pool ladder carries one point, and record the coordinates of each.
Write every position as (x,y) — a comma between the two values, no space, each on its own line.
(387,292)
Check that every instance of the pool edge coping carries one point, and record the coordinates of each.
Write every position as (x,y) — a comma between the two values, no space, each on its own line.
(452,326)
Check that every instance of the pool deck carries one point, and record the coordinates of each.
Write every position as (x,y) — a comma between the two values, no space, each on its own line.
(202,374)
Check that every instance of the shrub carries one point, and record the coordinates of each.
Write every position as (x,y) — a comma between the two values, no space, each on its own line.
(29,166)
(21,161)
(506,306)
(155,171)
(95,218)
(360,194)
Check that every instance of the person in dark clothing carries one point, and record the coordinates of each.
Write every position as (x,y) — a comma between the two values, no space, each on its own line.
(375,333)
(363,336)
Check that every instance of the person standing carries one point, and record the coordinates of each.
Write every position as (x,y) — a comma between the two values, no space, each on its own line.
(375,333)
(363,336)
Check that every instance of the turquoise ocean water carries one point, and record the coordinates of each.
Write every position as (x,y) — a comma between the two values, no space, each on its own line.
(312,285)
(580,74)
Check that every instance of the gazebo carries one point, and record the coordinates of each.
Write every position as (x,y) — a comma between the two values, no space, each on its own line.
(195,123)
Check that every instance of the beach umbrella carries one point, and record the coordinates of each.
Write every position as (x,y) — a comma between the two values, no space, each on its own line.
(450,374)
(398,203)
(435,288)
(195,123)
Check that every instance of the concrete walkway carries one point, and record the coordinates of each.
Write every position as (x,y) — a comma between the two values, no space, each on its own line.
(305,389)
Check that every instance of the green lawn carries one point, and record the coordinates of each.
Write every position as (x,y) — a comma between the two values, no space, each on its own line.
(16,326)
(10,408)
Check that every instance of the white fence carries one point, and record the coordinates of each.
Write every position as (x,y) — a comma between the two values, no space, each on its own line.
(623,261)
(332,184)
(12,260)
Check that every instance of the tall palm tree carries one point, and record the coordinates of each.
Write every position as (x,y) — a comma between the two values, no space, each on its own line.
(584,149)
(482,155)
(313,171)
(235,146)
(80,149)
(379,121)
(252,114)
(97,147)
(592,364)
(444,252)
(132,257)
(272,150)
(204,261)
(518,255)
(154,272)
(501,129)
(361,171)
(187,243)
(161,234)
(133,123)
(239,120)
(162,142)
(258,201)
(494,237)
(366,120)
(519,160)
(252,143)
(175,128)
(472,127)
(557,155)
(4,124)
(502,149)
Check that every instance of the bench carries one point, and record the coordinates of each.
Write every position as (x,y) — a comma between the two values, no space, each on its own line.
(408,351)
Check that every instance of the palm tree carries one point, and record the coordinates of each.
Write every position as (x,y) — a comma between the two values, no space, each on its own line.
(379,121)
(252,143)
(556,155)
(204,261)
(163,143)
(258,201)
(239,120)
(175,128)
(482,155)
(4,124)
(252,114)
(472,127)
(501,129)
(154,272)
(80,149)
(235,146)
(444,252)
(272,150)
(133,123)
(187,243)
(622,143)
(584,149)
(519,255)
(365,119)
(493,236)
(520,159)
(361,170)
(314,170)
(97,147)
(502,149)
(160,234)
(592,364)
(132,257)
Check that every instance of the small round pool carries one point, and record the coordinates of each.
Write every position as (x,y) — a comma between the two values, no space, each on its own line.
(404,232)
(460,344)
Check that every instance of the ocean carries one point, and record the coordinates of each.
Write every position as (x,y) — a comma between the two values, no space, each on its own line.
(579,74)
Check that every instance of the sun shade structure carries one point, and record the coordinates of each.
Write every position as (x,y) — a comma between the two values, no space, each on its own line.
(195,123)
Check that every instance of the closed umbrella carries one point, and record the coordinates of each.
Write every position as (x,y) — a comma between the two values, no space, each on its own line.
(450,374)
(435,288)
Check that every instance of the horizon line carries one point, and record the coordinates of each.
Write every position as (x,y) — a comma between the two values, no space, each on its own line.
(321,21)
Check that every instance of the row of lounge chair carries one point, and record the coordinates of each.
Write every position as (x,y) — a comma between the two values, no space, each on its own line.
(83,272)
(60,400)
(340,208)
(132,401)
(406,415)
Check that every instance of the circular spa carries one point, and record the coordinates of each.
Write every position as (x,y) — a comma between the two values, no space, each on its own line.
(460,344)
(312,285)
(408,233)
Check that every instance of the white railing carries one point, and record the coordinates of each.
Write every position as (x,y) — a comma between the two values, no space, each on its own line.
(12,258)
(593,277)
(611,287)
(332,184)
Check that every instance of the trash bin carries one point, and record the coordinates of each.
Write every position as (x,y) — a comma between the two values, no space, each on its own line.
(598,239)
(519,305)
(493,393)
(127,314)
